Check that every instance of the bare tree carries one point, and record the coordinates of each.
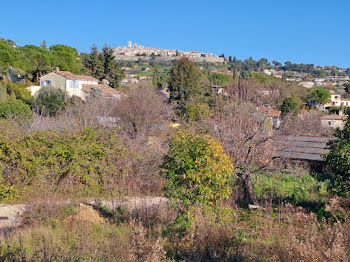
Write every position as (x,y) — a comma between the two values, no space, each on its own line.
(245,133)
(304,123)
(142,110)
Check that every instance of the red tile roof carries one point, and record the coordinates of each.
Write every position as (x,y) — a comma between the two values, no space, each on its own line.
(72,76)
(334,117)
(106,90)
(269,111)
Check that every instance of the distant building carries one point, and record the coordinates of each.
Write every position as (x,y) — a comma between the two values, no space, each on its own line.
(338,101)
(333,121)
(271,114)
(219,90)
(308,84)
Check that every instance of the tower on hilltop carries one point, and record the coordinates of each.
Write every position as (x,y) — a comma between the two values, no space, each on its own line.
(129,44)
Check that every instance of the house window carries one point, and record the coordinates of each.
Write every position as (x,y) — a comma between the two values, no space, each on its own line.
(46,83)
(329,123)
(74,84)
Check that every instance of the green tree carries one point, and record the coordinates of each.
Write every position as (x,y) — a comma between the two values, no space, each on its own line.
(184,83)
(16,109)
(66,58)
(36,61)
(290,104)
(155,78)
(94,62)
(320,95)
(197,170)
(338,159)
(112,70)
(50,100)
(8,57)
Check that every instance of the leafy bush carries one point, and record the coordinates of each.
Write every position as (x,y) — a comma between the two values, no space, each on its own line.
(197,111)
(338,159)
(197,169)
(85,162)
(17,91)
(3,94)
(16,109)
(290,104)
(50,100)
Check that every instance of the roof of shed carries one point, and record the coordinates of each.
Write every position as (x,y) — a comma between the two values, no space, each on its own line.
(302,147)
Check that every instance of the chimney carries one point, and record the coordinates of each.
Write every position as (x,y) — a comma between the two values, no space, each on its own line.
(57,69)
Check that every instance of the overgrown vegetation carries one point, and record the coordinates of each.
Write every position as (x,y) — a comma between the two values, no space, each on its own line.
(227,197)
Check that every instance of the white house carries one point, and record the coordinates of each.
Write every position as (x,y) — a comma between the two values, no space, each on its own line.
(75,85)
(337,100)
(72,84)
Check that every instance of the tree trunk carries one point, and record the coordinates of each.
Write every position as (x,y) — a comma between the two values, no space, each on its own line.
(248,197)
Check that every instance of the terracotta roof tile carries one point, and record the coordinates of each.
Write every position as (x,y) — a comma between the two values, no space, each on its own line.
(106,90)
(269,111)
(72,76)
(334,117)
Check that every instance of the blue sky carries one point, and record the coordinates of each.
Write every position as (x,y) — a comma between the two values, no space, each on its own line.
(308,31)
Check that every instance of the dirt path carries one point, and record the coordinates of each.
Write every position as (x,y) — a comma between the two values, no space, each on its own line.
(11,216)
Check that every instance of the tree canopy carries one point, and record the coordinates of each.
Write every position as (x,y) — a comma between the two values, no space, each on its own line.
(184,83)
(338,159)
(320,95)
(290,104)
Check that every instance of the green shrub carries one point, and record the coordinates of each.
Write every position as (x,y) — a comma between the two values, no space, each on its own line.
(3,94)
(50,100)
(88,162)
(197,111)
(16,109)
(338,160)
(197,169)
(17,91)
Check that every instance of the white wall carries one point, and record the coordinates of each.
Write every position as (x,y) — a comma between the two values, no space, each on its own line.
(76,89)
(33,89)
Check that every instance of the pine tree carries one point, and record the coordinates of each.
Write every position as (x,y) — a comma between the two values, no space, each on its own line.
(112,71)
(95,62)
(155,77)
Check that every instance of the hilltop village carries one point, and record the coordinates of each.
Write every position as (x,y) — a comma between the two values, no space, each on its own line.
(135,52)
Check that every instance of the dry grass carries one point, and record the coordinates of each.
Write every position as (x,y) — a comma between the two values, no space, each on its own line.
(283,234)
